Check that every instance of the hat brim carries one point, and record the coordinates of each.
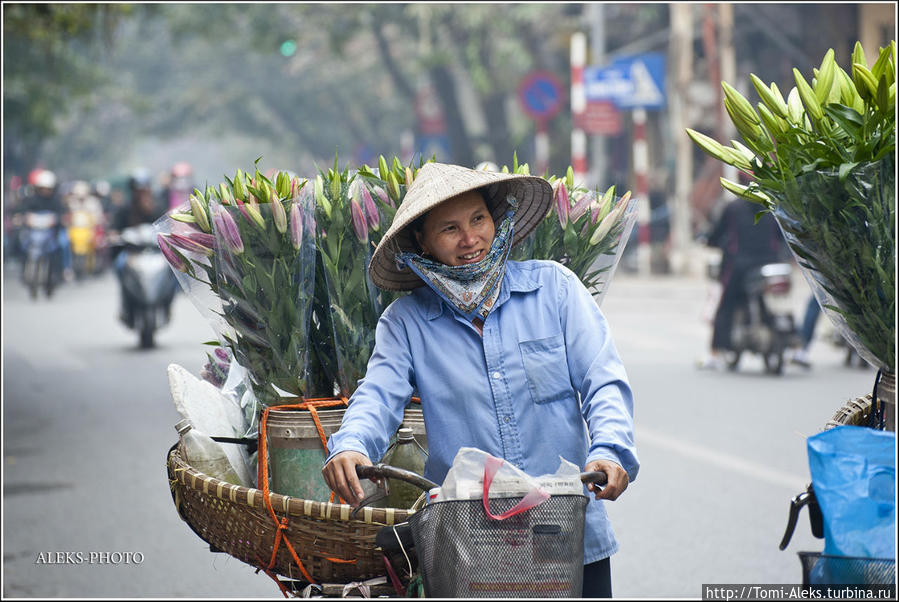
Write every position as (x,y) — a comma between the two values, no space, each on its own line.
(534,196)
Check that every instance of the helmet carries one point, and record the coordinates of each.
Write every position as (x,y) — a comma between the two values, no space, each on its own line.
(181,169)
(81,189)
(487,166)
(140,180)
(101,188)
(45,179)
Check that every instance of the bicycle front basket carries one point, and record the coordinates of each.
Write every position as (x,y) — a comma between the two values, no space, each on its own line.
(463,553)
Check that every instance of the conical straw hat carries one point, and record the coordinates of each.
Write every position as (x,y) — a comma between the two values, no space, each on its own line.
(438,182)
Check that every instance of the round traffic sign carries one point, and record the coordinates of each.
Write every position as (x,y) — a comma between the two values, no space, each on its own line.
(540,95)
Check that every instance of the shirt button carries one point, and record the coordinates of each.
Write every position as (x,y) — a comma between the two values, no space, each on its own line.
(506,419)
(496,375)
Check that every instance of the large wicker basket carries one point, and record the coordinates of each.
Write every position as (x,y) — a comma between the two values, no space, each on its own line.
(332,547)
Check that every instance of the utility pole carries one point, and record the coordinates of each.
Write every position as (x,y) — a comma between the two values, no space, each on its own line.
(681,53)
(597,57)
(728,73)
(578,106)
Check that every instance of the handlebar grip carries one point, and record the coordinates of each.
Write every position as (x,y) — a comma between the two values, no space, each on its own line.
(392,472)
(597,477)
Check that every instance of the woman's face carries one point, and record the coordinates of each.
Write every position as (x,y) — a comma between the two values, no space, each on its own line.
(459,231)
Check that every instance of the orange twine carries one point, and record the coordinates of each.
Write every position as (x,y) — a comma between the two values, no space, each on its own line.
(312,406)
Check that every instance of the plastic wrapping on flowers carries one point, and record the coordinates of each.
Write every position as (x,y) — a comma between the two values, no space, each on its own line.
(345,215)
(254,282)
(853,282)
(585,231)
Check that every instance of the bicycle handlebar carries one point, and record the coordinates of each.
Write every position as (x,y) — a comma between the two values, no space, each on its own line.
(378,471)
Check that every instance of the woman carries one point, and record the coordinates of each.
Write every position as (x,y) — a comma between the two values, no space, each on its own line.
(513,358)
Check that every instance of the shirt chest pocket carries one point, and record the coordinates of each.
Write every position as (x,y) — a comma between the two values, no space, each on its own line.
(546,368)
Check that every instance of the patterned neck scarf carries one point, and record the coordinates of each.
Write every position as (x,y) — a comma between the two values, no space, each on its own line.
(471,289)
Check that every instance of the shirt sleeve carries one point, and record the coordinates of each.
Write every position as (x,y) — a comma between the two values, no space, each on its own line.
(375,409)
(597,373)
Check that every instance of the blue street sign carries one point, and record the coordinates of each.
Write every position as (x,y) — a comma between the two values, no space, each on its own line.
(630,82)
(540,95)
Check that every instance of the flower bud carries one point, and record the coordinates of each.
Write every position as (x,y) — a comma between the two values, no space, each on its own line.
(393,186)
(188,244)
(371,210)
(198,208)
(359,225)
(175,259)
(228,230)
(320,196)
(581,207)
(384,197)
(409,177)
(609,221)
(279,216)
(296,226)
(335,186)
(252,208)
(563,208)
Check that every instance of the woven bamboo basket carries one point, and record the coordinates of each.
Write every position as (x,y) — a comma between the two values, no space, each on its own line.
(332,547)
(855,412)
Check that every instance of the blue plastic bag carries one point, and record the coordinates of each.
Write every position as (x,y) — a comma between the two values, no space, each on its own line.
(853,473)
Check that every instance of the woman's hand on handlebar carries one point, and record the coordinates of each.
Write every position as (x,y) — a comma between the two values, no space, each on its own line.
(340,475)
(617,479)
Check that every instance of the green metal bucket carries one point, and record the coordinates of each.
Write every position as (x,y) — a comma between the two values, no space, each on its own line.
(296,454)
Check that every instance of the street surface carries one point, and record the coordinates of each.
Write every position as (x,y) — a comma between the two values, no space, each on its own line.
(88,419)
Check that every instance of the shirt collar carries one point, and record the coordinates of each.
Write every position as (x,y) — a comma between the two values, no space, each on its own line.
(516,280)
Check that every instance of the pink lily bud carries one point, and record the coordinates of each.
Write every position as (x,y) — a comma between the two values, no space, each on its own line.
(222,354)
(580,208)
(188,244)
(175,259)
(201,238)
(243,208)
(371,210)
(296,226)
(563,208)
(279,216)
(229,231)
(359,225)
(384,197)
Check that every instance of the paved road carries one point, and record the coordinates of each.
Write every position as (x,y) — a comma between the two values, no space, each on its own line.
(87,420)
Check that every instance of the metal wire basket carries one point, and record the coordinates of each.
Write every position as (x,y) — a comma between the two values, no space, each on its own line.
(824,569)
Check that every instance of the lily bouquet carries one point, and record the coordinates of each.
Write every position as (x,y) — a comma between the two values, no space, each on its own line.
(584,230)
(347,304)
(823,163)
(245,255)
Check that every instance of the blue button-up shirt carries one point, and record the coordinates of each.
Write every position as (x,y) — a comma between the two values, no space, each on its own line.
(544,381)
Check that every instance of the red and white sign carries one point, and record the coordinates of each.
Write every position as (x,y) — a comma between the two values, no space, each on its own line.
(602,117)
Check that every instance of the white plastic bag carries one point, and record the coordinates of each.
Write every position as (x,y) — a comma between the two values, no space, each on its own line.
(465,479)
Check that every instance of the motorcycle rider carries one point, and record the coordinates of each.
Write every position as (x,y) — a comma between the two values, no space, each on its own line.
(46,198)
(177,192)
(745,245)
(141,207)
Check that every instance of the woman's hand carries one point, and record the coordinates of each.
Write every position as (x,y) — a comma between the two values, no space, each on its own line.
(340,475)
(617,479)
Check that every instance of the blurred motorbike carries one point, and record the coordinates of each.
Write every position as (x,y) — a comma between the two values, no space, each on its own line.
(82,231)
(42,268)
(764,324)
(147,283)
